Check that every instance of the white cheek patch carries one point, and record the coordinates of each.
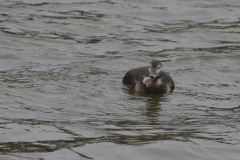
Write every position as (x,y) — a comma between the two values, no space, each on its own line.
(159,72)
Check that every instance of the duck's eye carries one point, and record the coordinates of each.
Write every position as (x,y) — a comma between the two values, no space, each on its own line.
(149,66)
(159,67)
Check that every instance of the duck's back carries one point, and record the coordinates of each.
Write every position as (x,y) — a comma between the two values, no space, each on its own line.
(135,76)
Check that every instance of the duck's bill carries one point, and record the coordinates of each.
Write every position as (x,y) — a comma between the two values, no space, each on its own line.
(153,75)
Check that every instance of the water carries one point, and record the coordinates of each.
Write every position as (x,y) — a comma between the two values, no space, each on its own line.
(61,65)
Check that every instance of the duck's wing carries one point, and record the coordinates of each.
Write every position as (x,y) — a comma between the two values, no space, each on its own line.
(168,80)
(135,75)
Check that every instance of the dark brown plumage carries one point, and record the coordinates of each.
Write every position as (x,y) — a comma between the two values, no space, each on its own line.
(149,79)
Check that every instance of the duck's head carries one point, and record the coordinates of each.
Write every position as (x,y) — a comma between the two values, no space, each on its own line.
(155,71)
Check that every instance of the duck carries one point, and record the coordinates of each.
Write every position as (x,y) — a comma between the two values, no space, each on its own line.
(151,79)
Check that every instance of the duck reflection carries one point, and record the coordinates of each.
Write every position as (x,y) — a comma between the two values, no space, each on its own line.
(153,105)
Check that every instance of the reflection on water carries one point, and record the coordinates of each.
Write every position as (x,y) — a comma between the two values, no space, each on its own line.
(152,103)
(61,64)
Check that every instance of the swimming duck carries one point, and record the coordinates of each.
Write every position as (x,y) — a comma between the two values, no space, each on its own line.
(150,79)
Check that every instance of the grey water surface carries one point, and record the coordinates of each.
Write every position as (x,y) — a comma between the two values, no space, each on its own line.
(61,66)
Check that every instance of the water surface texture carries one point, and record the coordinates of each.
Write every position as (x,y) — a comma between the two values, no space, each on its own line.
(61,66)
